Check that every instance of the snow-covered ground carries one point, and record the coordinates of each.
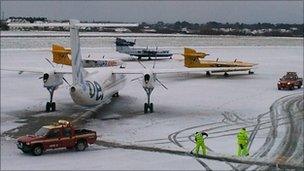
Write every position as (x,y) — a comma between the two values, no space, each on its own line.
(193,102)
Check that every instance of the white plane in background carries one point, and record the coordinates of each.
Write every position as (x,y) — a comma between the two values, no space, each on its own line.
(96,86)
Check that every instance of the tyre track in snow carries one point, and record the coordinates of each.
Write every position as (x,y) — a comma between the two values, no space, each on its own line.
(174,134)
(173,137)
(287,147)
(235,131)
(248,161)
(216,156)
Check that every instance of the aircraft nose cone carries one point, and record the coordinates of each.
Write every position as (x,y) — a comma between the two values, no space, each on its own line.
(147,78)
(45,77)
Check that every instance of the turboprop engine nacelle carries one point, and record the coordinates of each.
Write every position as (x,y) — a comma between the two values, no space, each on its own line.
(52,79)
(148,80)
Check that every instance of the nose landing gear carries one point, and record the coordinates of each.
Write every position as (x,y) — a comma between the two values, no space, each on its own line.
(148,107)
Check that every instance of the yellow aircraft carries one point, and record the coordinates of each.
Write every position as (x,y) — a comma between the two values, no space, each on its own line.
(195,59)
(62,55)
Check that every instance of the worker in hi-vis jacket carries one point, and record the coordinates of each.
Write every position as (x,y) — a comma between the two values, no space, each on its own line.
(200,142)
(242,140)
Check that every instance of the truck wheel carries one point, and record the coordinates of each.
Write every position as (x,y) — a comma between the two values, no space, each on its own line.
(291,88)
(279,88)
(81,145)
(37,151)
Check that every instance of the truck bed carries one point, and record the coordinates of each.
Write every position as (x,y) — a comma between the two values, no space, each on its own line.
(83,131)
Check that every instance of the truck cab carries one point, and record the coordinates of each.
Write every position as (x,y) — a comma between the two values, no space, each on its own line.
(58,135)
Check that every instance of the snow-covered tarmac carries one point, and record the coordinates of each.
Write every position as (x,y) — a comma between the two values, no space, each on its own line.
(193,102)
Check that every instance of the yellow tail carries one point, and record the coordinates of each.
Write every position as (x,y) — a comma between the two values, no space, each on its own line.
(61,55)
(192,57)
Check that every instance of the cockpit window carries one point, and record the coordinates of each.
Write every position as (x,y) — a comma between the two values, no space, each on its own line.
(42,132)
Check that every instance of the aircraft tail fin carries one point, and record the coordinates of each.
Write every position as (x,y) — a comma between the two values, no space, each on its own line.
(61,55)
(77,68)
(192,57)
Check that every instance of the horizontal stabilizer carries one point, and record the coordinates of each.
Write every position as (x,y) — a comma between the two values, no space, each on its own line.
(188,52)
(61,55)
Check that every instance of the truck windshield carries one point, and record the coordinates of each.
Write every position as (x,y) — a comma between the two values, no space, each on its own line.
(42,132)
(289,77)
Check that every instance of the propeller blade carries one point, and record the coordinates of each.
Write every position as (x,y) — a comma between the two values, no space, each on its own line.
(161,83)
(66,81)
(154,62)
(142,64)
(49,62)
(137,78)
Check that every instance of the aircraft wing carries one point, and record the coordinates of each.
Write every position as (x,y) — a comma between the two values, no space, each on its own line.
(128,71)
(37,70)
(181,70)
(198,70)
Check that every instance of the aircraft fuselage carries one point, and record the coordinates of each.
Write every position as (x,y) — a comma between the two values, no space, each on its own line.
(97,88)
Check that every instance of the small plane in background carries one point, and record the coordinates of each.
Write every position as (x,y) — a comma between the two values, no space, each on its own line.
(124,46)
(194,59)
(96,86)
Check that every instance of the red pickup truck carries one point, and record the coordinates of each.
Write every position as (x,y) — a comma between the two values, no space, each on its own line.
(290,81)
(59,135)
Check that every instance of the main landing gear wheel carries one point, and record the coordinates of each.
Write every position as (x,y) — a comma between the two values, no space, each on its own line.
(208,74)
(250,72)
(148,108)
(226,74)
(50,106)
